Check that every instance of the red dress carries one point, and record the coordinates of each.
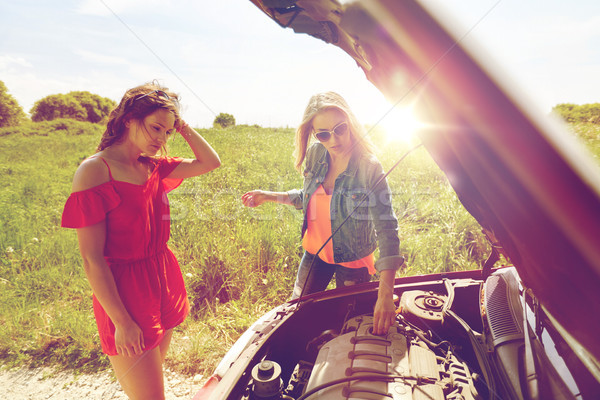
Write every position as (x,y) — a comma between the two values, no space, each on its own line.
(146,272)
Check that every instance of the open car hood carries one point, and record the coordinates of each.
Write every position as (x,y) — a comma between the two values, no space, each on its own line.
(523,177)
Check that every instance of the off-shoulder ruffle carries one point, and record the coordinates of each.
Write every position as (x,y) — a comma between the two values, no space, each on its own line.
(165,167)
(88,207)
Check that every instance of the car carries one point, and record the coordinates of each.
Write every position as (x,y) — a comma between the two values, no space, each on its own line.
(525,331)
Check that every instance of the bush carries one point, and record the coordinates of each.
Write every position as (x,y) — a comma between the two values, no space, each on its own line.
(578,113)
(224,120)
(97,107)
(11,113)
(57,106)
(78,105)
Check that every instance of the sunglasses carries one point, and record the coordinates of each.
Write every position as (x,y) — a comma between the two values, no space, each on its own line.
(160,93)
(164,95)
(339,130)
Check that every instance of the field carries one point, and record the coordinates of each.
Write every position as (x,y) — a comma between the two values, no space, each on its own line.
(238,262)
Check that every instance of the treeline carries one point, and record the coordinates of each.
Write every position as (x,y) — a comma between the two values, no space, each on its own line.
(89,107)
(578,113)
(77,105)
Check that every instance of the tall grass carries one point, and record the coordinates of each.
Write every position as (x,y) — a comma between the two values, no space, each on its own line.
(238,262)
(44,298)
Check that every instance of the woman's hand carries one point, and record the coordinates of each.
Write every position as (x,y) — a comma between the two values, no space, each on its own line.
(206,158)
(129,340)
(254,198)
(384,315)
(181,127)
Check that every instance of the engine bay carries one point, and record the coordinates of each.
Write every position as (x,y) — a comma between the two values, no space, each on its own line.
(452,339)
(410,362)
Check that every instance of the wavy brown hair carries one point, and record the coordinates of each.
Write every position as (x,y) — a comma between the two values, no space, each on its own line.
(318,103)
(137,103)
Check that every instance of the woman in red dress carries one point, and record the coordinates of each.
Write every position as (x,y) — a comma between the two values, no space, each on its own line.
(120,209)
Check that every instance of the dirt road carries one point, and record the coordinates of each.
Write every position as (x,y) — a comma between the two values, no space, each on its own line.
(46,384)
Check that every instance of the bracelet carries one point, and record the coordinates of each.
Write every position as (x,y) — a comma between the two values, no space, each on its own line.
(182,127)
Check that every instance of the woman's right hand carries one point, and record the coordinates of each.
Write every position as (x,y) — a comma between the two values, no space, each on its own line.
(254,198)
(129,340)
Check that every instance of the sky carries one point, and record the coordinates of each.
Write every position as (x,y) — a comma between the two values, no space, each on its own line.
(227,56)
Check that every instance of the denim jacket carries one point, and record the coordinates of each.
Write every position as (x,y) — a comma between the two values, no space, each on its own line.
(374,220)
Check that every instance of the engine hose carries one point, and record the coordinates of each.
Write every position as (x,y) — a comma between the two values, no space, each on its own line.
(427,341)
(374,377)
(480,353)
(450,299)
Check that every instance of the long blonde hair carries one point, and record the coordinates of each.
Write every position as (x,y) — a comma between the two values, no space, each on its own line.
(137,103)
(318,103)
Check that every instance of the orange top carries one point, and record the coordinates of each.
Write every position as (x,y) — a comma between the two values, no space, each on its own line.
(319,229)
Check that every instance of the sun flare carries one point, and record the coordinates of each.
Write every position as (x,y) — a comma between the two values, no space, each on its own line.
(401,124)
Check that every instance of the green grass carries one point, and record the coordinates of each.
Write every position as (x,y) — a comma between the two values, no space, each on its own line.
(238,262)
(589,135)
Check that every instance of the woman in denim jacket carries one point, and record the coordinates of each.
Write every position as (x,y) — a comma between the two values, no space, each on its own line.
(340,170)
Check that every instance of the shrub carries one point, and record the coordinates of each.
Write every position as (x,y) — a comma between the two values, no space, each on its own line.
(578,113)
(78,105)
(224,120)
(11,113)
(57,106)
(97,107)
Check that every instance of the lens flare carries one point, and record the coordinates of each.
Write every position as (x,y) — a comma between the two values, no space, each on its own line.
(401,124)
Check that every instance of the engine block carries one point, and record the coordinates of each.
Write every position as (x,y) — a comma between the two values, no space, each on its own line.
(358,365)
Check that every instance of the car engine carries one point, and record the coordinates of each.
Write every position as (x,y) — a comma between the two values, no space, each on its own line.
(399,365)
(458,339)
(404,364)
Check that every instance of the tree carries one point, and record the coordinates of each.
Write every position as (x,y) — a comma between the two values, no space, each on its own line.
(224,120)
(578,113)
(11,113)
(97,107)
(58,106)
(78,105)
(566,111)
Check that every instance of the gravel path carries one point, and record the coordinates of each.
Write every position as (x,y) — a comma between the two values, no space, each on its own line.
(45,383)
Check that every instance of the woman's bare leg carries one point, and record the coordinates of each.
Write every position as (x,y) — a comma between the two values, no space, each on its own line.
(164,344)
(141,377)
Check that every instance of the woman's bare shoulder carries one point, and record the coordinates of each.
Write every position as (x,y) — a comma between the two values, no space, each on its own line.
(91,172)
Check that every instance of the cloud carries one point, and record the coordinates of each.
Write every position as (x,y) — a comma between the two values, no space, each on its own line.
(28,87)
(101,58)
(108,7)
(9,61)
(558,39)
